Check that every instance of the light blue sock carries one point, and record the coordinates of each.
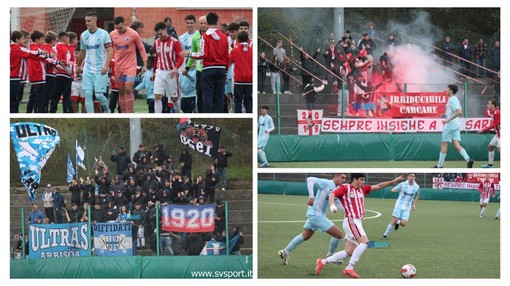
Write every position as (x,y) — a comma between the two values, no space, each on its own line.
(262,156)
(89,101)
(103,101)
(464,154)
(442,156)
(295,242)
(388,229)
(333,244)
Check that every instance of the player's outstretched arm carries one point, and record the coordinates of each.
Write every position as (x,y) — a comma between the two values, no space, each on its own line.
(331,203)
(387,183)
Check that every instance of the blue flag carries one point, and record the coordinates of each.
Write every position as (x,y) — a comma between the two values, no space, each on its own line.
(70,169)
(218,248)
(33,143)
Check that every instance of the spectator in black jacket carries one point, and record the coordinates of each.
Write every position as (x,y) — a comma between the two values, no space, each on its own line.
(122,159)
(306,66)
(58,203)
(141,153)
(160,154)
(186,160)
(236,249)
(466,53)
(219,216)
(221,165)
(129,173)
(74,188)
(211,182)
(98,214)
(88,191)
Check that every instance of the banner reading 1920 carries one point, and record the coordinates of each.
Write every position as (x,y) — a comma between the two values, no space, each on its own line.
(58,240)
(186,218)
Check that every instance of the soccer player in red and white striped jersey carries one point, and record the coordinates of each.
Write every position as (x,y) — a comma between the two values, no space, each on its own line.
(352,198)
(166,67)
(493,111)
(486,189)
(63,77)
(18,64)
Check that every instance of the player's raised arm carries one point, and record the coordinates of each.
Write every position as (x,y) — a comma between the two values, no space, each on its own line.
(310,182)
(387,183)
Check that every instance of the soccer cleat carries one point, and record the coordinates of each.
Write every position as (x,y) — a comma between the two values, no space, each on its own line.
(397,226)
(284,256)
(496,218)
(486,166)
(384,236)
(437,167)
(470,163)
(350,273)
(264,164)
(319,266)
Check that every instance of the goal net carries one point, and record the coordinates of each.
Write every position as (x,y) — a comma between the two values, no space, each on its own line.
(42,19)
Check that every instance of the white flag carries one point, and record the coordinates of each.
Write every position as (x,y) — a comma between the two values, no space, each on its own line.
(80,156)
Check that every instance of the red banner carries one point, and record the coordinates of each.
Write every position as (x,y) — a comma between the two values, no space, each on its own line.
(187,218)
(397,125)
(398,104)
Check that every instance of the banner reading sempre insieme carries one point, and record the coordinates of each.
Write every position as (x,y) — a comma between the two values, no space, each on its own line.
(187,218)
(397,125)
(58,240)
(113,239)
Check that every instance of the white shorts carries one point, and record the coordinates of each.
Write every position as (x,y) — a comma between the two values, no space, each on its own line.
(77,92)
(165,85)
(495,141)
(353,229)
(484,201)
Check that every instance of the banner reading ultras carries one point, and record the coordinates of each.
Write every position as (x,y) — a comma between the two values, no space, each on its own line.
(113,239)
(398,104)
(58,240)
(186,218)
(397,125)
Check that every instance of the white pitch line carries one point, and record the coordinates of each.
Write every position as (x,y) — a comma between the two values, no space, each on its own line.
(377,214)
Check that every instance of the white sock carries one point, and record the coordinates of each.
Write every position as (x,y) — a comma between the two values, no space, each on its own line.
(158,106)
(356,254)
(491,157)
(335,257)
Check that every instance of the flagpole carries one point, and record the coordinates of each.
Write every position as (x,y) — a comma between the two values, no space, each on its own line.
(157,229)
(89,228)
(226,228)
(76,151)
(23,232)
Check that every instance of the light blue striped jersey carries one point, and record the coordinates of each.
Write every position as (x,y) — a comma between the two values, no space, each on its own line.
(406,195)
(324,188)
(452,106)
(95,44)
(265,123)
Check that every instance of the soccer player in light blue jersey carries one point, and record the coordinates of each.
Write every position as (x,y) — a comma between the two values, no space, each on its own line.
(451,129)
(316,215)
(266,125)
(407,198)
(97,51)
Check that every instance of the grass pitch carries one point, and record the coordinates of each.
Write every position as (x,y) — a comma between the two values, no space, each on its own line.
(377,164)
(443,239)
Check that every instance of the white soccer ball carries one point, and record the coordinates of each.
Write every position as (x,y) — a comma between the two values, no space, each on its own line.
(408,271)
